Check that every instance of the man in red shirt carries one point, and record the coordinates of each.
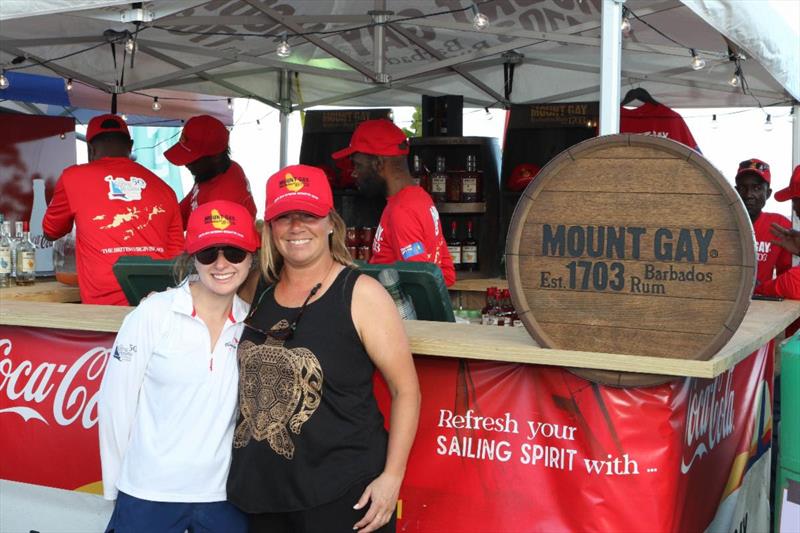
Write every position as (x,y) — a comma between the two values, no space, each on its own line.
(119,208)
(410,228)
(752,184)
(786,285)
(203,149)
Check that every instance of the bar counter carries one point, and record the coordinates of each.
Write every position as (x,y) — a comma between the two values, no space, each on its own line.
(41,291)
(763,322)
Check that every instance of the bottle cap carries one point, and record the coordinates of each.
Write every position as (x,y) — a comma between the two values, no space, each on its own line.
(26,226)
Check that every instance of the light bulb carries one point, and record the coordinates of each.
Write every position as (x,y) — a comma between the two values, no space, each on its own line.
(124,117)
(768,123)
(625,26)
(230,103)
(156,104)
(69,84)
(62,135)
(283,50)
(130,45)
(258,124)
(3,80)
(734,81)
(714,123)
(698,63)
(479,21)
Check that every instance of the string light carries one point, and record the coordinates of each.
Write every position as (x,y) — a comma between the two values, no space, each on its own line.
(734,81)
(258,124)
(768,123)
(479,21)
(156,104)
(130,45)
(283,50)
(698,63)
(3,80)
(230,103)
(626,22)
(69,84)
(714,123)
(124,117)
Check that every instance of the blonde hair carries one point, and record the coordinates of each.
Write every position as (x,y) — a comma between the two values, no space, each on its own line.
(272,262)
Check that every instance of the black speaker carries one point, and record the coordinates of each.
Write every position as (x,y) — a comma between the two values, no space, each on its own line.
(443,116)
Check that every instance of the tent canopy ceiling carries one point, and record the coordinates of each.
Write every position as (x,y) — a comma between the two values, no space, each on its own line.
(227,48)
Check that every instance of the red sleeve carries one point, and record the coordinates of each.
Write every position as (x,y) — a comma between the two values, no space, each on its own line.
(786,285)
(59,216)
(175,235)
(408,234)
(783,263)
(185,209)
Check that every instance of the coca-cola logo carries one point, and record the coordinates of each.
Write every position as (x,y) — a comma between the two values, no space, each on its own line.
(52,392)
(709,418)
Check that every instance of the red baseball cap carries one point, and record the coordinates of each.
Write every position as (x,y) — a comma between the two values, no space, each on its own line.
(221,223)
(202,136)
(755,166)
(298,188)
(793,190)
(522,175)
(106,124)
(376,137)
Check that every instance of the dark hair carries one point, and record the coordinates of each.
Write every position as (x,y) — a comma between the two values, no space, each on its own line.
(111,137)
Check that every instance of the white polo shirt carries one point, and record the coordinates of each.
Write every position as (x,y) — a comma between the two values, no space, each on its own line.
(167,403)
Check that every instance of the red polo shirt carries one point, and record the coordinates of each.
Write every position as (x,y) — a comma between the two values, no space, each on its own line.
(120,208)
(410,230)
(231,185)
(658,120)
(772,259)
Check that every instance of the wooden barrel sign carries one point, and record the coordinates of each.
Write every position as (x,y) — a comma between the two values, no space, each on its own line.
(631,244)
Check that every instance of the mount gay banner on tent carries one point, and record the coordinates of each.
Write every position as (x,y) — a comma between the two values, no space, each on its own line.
(500,447)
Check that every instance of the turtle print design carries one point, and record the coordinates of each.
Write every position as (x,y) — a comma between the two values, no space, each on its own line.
(279,390)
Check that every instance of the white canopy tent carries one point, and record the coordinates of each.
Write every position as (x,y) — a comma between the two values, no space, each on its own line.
(340,56)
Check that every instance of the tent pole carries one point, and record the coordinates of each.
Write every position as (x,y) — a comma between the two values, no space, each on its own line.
(286,110)
(795,155)
(380,16)
(610,66)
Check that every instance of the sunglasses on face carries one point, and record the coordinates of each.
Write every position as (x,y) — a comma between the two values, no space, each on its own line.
(209,255)
(758,165)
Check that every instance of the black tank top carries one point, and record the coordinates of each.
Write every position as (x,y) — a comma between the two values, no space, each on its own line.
(308,427)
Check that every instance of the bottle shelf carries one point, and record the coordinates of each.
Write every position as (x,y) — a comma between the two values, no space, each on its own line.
(452,208)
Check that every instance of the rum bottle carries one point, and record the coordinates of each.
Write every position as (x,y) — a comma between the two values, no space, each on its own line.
(5,254)
(26,258)
(469,251)
(454,246)
(15,240)
(420,175)
(471,181)
(439,181)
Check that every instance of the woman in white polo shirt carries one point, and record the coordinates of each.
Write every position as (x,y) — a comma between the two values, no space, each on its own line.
(168,398)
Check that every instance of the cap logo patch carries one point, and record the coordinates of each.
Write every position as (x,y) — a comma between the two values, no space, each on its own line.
(292,183)
(219,220)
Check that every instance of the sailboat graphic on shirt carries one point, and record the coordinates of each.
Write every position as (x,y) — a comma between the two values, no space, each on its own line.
(128,190)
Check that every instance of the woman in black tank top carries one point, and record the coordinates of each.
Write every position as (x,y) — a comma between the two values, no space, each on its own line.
(310,451)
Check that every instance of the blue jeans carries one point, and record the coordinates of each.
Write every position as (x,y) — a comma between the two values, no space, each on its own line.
(132,515)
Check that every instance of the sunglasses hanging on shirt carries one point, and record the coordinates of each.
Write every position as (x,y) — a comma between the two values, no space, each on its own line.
(209,255)
(758,165)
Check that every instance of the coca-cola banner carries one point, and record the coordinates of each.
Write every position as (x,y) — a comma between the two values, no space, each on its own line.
(500,447)
(510,447)
(49,381)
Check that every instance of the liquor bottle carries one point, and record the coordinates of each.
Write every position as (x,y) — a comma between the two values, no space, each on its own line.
(507,309)
(15,240)
(471,181)
(44,251)
(439,181)
(454,246)
(26,258)
(390,279)
(5,254)
(489,311)
(469,251)
(420,175)
(454,186)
